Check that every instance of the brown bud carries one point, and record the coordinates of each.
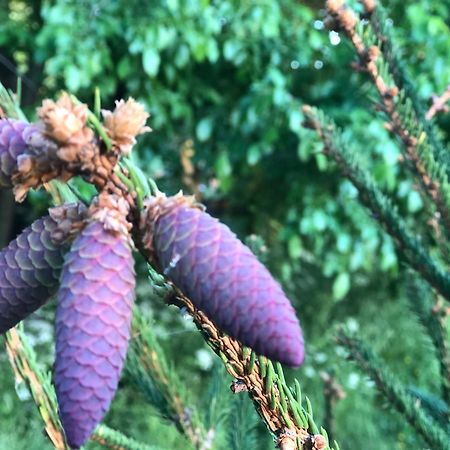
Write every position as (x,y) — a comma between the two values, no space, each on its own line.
(348,19)
(287,440)
(125,123)
(369,5)
(335,5)
(238,386)
(393,91)
(65,121)
(319,442)
(373,53)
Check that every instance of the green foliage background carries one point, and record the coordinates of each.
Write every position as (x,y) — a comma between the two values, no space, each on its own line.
(231,76)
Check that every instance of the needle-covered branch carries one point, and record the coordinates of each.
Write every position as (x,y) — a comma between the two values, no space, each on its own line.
(433,314)
(148,369)
(279,406)
(403,120)
(382,28)
(381,206)
(435,436)
(26,369)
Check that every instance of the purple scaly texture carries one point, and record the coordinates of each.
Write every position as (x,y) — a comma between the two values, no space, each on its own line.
(224,279)
(92,328)
(14,136)
(29,272)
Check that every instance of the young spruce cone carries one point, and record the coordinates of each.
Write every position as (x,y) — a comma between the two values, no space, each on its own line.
(14,137)
(92,324)
(222,277)
(30,267)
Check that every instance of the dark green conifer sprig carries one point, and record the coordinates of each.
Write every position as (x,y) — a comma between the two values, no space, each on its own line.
(403,120)
(241,425)
(378,19)
(397,395)
(148,368)
(26,368)
(433,317)
(373,198)
(290,421)
(433,405)
(114,440)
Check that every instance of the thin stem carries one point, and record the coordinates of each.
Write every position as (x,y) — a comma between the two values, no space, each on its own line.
(395,393)
(97,125)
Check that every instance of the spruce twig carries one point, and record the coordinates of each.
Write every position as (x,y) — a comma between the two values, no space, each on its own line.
(265,384)
(439,104)
(399,108)
(24,364)
(378,19)
(381,206)
(333,392)
(293,426)
(434,406)
(148,369)
(433,317)
(396,394)
(114,440)
(9,105)
(23,361)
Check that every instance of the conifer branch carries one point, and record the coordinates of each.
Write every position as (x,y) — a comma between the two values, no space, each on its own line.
(114,440)
(439,104)
(23,361)
(398,107)
(9,107)
(380,205)
(378,20)
(148,369)
(24,364)
(394,392)
(333,392)
(433,315)
(434,405)
(279,407)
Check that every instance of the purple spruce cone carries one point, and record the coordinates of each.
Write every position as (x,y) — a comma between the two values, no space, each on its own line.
(29,272)
(223,278)
(93,321)
(14,136)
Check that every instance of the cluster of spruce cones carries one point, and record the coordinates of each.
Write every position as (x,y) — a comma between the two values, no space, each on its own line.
(84,255)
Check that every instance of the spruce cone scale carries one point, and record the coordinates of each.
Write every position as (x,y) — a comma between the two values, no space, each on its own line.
(93,322)
(223,278)
(29,272)
(14,138)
